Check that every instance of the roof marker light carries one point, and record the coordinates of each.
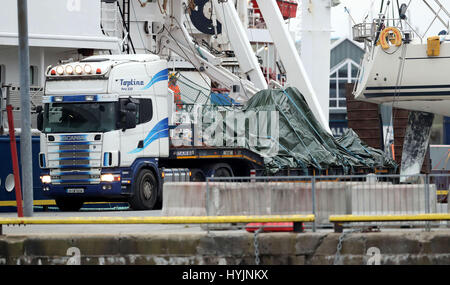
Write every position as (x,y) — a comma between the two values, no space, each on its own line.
(60,70)
(98,71)
(88,69)
(69,69)
(78,69)
(53,72)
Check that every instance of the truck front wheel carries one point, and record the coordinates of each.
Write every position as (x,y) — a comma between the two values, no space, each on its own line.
(145,191)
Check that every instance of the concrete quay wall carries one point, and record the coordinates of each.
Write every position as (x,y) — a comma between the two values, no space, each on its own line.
(228,248)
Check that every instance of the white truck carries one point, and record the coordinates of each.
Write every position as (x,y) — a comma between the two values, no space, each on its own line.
(105,135)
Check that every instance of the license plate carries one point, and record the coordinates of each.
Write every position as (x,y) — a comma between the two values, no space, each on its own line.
(75,190)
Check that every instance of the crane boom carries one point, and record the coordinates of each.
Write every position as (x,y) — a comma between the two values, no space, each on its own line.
(296,74)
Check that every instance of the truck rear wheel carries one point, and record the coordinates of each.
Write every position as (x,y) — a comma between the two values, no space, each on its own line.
(145,191)
(69,205)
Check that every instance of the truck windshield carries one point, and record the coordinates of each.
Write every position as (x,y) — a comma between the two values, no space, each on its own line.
(79,117)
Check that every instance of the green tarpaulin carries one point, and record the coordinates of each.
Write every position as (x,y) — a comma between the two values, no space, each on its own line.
(301,141)
(304,143)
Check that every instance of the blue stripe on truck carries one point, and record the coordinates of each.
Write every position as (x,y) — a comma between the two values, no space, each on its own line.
(160,130)
(160,76)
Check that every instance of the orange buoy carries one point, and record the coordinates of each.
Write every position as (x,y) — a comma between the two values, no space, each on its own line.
(397,40)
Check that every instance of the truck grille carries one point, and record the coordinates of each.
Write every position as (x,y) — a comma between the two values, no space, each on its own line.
(72,154)
(74,147)
(72,177)
(75,162)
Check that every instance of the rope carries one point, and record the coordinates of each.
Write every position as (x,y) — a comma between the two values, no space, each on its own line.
(189,46)
(397,90)
(313,128)
(305,118)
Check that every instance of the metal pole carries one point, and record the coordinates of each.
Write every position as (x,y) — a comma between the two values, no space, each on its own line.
(25,109)
(15,161)
(313,193)
(2,103)
(427,199)
(1,108)
(207,202)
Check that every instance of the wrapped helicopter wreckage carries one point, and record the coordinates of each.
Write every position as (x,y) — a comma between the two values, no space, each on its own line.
(278,125)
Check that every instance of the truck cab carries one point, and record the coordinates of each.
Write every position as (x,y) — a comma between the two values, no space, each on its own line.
(104,126)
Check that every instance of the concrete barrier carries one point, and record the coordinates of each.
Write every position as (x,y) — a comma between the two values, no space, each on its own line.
(279,198)
(333,198)
(259,198)
(184,199)
(283,198)
(374,199)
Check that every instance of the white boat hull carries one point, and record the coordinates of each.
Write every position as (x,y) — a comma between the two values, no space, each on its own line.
(424,84)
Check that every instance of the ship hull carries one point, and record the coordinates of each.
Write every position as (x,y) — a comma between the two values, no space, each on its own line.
(418,82)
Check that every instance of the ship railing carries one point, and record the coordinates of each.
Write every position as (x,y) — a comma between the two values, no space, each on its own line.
(364,31)
(369,31)
(255,21)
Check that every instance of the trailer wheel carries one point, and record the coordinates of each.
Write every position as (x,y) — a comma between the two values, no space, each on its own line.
(145,191)
(69,205)
(197,175)
(222,172)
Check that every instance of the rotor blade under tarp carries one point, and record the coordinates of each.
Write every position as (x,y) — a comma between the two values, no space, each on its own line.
(304,143)
(415,144)
(279,125)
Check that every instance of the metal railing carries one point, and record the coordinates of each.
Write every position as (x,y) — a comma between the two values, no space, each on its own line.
(152,220)
(11,96)
(324,196)
(255,21)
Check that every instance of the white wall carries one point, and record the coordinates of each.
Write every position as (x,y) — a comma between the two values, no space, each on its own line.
(39,57)
(57,23)
(54,17)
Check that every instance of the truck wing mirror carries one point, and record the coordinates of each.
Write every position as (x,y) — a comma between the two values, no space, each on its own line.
(40,118)
(128,116)
(130,107)
(40,121)
(130,120)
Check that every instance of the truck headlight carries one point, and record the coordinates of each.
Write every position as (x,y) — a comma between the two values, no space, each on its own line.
(109,177)
(46,179)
